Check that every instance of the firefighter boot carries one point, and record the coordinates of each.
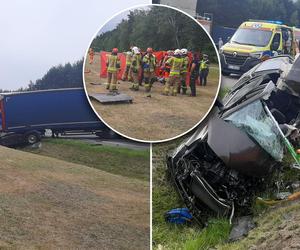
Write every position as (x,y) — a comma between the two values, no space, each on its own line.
(147,85)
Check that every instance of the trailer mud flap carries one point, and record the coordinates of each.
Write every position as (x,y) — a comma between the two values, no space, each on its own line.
(204,192)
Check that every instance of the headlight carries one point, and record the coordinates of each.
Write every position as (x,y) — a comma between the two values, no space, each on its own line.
(221,50)
(257,55)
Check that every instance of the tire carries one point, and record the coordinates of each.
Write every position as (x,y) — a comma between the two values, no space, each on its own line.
(32,137)
(107,134)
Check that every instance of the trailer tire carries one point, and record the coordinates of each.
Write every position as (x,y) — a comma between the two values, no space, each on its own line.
(107,134)
(32,137)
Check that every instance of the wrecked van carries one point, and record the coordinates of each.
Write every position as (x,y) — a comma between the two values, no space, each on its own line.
(242,142)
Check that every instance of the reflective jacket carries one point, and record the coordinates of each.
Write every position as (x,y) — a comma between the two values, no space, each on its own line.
(185,64)
(176,65)
(128,60)
(136,63)
(204,64)
(113,63)
(149,63)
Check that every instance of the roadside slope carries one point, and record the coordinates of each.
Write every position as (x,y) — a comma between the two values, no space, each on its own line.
(49,203)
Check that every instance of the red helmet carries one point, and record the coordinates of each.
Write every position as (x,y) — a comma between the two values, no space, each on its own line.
(115,50)
(149,50)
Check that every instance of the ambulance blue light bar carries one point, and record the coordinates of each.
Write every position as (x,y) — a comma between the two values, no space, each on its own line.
(275,22)
(268,21)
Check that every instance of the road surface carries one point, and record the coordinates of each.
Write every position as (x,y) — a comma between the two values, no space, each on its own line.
(229,81)
(119,142)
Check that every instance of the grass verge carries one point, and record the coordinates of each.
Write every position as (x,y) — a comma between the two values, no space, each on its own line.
(281,220)
(122,161)
(164,198)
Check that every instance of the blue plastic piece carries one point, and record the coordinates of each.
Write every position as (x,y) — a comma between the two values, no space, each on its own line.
(178,216)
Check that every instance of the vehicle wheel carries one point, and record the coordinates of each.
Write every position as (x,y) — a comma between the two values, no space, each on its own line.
(225,73)
(107,134)
(32,138)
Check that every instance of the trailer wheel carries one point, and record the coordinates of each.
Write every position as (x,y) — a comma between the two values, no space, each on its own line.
(107,134)
(32,137)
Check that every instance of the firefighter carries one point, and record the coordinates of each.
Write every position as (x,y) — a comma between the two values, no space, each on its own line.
(91,55)
(113,65)
(135,68)
(149,65)
(127,73)
(182,85)
(204,70)
(176,64)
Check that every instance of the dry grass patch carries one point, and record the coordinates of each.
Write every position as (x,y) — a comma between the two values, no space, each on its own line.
(155,118)
(47,203)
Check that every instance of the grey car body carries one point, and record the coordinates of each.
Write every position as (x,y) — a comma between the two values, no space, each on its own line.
(239,145)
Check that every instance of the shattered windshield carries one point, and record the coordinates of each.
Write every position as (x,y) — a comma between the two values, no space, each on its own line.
(255,122)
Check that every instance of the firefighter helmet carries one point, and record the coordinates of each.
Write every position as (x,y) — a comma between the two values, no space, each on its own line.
(184,51)
(177,52)
(149,50)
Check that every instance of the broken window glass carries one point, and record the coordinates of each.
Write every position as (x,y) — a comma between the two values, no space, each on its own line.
(253,120)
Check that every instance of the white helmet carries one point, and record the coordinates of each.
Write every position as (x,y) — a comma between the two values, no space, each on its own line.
(184,51)
(129,53)
(136,50)
(177,52)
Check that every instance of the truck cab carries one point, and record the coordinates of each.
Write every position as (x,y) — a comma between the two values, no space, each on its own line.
(256,41)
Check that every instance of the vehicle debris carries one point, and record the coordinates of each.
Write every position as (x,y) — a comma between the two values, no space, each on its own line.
(178,216)
(241,228)
(232,156)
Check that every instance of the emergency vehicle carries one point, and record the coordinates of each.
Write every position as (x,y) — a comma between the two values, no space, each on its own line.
(256,41)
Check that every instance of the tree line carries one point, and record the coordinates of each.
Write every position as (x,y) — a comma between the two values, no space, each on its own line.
(231,13)
(158,27)
(68,75)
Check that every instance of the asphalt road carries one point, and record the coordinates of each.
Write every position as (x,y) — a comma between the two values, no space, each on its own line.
(229,81)
(119,142)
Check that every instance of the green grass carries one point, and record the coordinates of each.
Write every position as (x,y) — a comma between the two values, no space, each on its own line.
(122,161)
(213,73)
(164,198)
(192,237)
(223,92)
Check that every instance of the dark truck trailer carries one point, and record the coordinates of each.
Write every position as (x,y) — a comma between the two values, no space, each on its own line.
(25,116)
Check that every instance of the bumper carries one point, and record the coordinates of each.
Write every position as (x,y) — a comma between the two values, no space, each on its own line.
(195,191)
(248,64)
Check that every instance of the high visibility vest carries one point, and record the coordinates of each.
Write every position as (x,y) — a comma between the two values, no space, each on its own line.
(185,64)
(150,61)
(176,65)
(113,62)
(128,60)
(204,64)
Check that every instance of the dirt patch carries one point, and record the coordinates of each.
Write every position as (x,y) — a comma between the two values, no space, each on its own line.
(50,204)
(278,228)
(149,118)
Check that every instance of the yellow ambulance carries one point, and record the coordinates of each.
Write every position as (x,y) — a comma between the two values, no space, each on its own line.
(255,41)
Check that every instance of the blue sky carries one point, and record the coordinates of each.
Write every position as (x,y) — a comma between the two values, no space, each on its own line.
(36,35)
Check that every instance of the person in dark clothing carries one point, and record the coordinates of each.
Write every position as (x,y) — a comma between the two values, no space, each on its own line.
(194,73)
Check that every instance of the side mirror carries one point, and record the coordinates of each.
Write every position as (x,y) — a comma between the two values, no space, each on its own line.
(274,46)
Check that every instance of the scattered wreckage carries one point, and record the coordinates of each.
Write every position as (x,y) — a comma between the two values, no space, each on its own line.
(243,141)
